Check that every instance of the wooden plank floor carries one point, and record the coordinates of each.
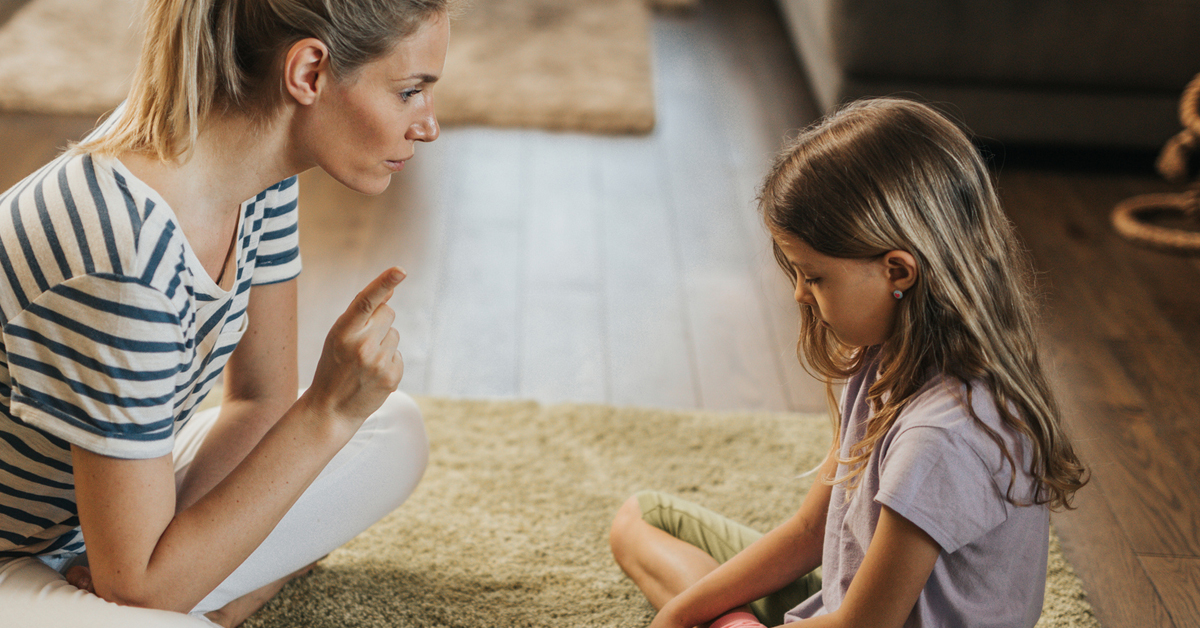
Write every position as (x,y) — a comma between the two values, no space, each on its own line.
(1122,329)
(633,271)
(626,270)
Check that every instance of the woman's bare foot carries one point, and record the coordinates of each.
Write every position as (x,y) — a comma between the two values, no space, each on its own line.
(237,611)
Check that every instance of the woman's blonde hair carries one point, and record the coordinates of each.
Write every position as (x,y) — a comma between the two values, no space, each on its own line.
(204,56)
(890,174)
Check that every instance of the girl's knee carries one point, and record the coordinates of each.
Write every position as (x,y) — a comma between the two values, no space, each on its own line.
(625,526)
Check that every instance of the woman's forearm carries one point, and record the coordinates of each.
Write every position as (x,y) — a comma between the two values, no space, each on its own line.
(144,556)
(242,509)
(238,429)
(145,553)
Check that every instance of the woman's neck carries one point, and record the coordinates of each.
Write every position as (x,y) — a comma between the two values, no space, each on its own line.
(233,159)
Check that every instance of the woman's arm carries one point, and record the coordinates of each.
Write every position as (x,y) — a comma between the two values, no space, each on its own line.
(261,383)
(143,553)
(778,558)
(883,592)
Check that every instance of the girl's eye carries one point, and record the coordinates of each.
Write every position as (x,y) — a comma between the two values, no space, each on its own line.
(812,281)
(408,93)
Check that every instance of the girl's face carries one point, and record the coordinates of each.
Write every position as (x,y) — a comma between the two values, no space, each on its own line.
(367,127)
(852,297)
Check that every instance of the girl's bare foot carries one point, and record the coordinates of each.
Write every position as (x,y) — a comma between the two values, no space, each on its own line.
(237,611)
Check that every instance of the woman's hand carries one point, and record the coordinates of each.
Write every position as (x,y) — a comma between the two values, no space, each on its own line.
(359,366)
(80,577)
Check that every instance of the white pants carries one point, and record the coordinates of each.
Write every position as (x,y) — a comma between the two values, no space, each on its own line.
(371,476)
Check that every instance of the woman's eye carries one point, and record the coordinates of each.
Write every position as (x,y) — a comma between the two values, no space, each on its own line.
(408,93)
(812,281)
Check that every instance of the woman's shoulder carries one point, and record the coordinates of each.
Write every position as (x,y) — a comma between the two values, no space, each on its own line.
(79,216)
(281,198)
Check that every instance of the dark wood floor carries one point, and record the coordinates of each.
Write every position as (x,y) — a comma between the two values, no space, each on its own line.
(632,270)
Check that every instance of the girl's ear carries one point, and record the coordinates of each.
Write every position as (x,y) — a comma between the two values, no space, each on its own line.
(305,69)
(901,268)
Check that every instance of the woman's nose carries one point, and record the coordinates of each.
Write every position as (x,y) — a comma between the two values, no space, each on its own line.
(426,129)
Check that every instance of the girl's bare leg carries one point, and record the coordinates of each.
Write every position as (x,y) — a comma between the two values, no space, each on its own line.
(237,611)
(661,565)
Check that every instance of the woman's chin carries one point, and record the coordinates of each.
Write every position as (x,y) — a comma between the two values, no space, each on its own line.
(371,186)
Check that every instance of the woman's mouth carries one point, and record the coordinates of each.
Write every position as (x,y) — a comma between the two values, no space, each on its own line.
(395,166)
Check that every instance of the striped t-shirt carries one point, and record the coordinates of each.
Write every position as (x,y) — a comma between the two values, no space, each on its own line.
(113,332)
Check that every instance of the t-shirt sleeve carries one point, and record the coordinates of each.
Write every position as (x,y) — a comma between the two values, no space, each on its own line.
(933,478)
(94,361)
(278,256)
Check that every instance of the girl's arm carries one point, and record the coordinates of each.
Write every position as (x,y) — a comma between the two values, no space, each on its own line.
(778,558)
(883,592)
(261,383)
(143,553)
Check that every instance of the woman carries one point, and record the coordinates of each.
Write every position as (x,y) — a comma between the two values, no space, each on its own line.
(137,272)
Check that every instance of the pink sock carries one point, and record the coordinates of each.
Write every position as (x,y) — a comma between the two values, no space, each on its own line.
(737,619)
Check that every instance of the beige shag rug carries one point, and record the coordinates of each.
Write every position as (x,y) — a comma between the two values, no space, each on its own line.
(509,526)
(580,65)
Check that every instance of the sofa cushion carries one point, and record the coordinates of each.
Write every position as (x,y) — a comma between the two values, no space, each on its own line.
(1104,44)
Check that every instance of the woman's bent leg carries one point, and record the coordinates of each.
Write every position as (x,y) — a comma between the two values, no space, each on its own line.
(370,477)
(33,595)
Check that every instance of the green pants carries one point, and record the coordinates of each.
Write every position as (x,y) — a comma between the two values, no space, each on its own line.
(722,538)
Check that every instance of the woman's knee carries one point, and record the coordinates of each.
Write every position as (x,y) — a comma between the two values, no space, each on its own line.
(400,418)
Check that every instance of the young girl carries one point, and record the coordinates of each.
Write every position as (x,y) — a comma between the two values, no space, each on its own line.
(136,272)
(932,508)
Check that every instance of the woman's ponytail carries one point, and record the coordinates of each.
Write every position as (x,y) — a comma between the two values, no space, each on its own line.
(178,76)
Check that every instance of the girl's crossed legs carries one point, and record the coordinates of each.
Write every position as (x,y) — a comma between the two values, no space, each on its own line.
(371,476)
(665,544)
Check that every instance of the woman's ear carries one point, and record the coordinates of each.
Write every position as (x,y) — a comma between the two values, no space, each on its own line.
(305,70)
(901,268)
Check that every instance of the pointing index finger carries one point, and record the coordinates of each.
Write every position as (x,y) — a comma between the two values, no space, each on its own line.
(374,295)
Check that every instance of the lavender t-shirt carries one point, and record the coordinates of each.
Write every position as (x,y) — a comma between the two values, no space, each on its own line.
(938,469)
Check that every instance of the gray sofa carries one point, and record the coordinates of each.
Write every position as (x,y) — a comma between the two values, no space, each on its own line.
(1065,72)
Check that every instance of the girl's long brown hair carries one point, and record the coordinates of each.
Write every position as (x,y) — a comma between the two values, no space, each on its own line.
(889,174)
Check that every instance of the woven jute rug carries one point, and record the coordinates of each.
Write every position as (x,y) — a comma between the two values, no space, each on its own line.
(579,65)
(509,526)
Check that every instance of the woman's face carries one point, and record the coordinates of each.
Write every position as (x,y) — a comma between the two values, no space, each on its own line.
(852,297)
(365,128)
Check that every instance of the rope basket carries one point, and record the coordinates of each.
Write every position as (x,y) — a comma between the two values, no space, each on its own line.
(1135,218)
(1140,218)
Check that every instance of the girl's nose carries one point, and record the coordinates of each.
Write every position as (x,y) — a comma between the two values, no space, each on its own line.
(802,295)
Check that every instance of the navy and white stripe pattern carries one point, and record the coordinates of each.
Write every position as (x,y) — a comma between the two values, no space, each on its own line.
(112,330)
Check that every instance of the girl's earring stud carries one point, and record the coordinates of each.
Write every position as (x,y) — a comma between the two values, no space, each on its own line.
(897,294)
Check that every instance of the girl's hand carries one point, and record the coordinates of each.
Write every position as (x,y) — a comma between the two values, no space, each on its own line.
(359,366)
(666,619)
